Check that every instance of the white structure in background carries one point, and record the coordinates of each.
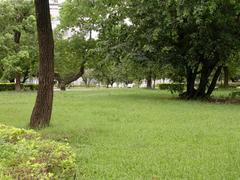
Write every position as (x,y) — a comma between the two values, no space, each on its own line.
(54,10)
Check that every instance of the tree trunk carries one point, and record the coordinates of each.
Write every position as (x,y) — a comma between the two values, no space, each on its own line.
(42,110)
(112,82)
(18,82)
(85,80)
(226,76)
(191,77)
(17,37)
(72,78)
(214,81)
(62,86)
(149,82)
(154,81)
(205,73)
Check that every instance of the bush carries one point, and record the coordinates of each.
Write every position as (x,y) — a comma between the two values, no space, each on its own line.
(25,155)
(234,94)
(31,87)
(7,86)
(11,87)
(174,87)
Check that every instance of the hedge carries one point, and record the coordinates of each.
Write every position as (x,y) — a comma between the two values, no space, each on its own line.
(234,94)
(174,87)
(25,155)
(11,86)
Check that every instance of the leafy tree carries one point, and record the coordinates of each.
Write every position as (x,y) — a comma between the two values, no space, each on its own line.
(195,37)
(18,40)
(79,19)
(72,55)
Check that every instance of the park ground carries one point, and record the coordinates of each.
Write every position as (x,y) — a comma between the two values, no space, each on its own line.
(138,134)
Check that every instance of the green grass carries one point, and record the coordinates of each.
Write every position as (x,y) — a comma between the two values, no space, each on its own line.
(138,134)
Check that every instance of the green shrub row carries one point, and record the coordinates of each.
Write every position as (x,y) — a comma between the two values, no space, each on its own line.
(25,155)
(11,87)
(234,94)
(174,87)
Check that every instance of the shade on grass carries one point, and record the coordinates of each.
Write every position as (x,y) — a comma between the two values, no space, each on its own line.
(138,134)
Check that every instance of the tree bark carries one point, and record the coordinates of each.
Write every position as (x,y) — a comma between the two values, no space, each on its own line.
(191,78)
(18,82)
(17,37)
(205,73)
(67,80)
(149,82)
(226,76)
(214,81)
(62,86)
(154,81)
(42,110)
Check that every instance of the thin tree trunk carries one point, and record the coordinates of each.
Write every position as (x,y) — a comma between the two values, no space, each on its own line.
(226,76)
(206,72)
(17,37)
(42,110)
(18,82)
(214,81)
(154,81)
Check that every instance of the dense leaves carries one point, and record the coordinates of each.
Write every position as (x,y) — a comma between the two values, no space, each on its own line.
(17,40)
(25,155)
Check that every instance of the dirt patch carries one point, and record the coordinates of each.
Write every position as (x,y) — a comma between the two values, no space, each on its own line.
(225,100)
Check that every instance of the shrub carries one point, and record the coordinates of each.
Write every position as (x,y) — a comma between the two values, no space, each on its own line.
(25,155)
(230,86)
(11,87)
(234,94)
(31,87)
(174,87)
(7,86)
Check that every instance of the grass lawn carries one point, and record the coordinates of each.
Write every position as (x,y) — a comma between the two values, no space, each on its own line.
(138,134)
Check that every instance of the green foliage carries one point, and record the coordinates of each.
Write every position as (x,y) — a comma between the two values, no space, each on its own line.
(18,42)
(174,87)
(24,155)
(31,87)
(234,94)
(11,87)
(7,86)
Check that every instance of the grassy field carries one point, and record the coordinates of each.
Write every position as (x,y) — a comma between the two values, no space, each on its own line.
(138,134)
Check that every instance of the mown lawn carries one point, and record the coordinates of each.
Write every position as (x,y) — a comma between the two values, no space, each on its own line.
(138,134)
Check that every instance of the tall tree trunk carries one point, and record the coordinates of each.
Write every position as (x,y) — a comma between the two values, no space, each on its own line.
(42,110)
(18,82)
(226,76)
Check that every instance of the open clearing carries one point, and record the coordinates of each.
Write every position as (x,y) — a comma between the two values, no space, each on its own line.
(138,134)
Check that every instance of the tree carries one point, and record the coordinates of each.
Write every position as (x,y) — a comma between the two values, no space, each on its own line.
(71,57)
(195,37)
(18,39)
(78,18)
(42,110)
